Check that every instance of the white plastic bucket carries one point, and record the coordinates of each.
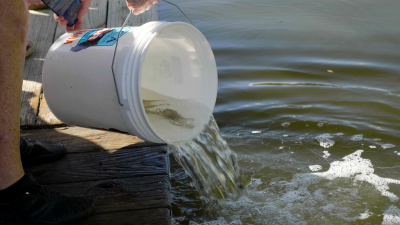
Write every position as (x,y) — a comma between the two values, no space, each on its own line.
(165,73)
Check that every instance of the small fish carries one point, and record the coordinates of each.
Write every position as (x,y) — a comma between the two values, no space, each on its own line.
(148,104)
(169,114)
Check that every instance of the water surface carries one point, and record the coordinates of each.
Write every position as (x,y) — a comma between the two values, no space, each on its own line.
(309,99)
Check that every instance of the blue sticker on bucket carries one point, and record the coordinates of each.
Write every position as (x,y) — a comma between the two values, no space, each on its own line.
(100,37)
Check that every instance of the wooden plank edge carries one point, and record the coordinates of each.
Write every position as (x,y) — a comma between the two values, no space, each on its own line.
(118,195)
(159,216)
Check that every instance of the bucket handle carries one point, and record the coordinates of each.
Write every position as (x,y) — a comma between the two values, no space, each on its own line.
(116,45)
(179,10)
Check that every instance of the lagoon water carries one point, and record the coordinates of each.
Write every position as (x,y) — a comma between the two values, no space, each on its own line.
(309,99)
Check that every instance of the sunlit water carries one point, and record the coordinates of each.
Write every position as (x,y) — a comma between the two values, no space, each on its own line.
(309,99)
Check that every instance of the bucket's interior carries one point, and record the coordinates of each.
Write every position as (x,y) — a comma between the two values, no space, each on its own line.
(178,83)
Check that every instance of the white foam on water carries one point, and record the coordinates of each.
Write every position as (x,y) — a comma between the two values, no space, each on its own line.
(286,124)
(372,146)
(325,140)
(256,132)
(320,124)
(339,134)
(391,216)
(357,137)
(365,215)
(362,170)
(286,135)
(315,168)
(326,154)
(336,196)
(220,221)
(387,146)
(377,140)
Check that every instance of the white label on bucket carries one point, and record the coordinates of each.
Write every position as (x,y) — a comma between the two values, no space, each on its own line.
(100,37)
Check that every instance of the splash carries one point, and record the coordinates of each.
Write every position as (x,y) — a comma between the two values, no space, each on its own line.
(391,216)
(325,140)
(344,194)
(315,168)
(220,221)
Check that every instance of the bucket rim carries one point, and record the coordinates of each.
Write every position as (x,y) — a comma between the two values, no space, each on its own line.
(138,59)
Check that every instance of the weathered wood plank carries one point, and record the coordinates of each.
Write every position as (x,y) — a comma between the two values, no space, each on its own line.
(94,166)
(118,11)
(79,139)
(30,102)
(41,31)
(118,195)
(95,18)
(159,216)
(46,117)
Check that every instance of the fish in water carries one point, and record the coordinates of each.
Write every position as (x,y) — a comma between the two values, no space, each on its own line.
(169,114)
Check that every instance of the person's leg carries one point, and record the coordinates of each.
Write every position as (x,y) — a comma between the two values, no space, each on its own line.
(14,27)
(22,199)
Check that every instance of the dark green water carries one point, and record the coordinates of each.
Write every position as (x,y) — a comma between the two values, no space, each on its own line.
(302,84)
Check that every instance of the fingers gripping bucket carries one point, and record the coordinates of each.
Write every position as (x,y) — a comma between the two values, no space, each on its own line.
(165,74)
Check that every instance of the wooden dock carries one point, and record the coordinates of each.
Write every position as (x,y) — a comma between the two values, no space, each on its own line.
(127,177)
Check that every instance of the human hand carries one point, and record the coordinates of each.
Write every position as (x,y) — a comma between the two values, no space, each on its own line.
(139,6)
(78,25)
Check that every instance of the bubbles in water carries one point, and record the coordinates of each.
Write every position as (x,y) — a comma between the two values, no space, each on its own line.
(365,215)
(357,137)
(220,221)
(320,124)
(315,168)
(256,132)
(362,170)
(211,164)
(328,207)
(387,146)
(336,196)
(325,141)
(326,154)
(391,216)
(286,124)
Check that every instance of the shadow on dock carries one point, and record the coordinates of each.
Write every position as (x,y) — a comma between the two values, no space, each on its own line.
(127,178)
